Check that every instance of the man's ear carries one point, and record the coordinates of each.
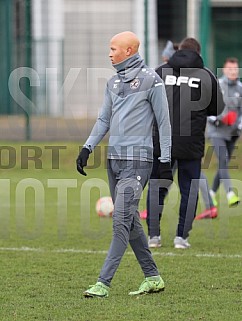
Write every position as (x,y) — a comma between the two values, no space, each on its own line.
(129,51)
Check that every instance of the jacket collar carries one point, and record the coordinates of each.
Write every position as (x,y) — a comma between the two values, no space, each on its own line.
(129,68)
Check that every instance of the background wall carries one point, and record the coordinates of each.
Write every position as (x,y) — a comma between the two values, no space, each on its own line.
(54,54)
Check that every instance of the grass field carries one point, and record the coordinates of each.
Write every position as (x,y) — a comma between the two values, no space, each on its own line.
(52,246)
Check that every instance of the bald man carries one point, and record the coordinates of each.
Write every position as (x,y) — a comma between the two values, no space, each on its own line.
(134,97)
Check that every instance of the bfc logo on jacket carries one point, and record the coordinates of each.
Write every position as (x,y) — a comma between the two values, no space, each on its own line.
(190,81)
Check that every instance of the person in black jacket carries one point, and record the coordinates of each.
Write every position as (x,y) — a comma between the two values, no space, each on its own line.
(193,93)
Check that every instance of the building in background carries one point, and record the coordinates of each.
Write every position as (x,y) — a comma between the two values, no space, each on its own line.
(66,43)
(89,25)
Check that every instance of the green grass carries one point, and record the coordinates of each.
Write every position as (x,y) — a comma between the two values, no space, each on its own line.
(51,249)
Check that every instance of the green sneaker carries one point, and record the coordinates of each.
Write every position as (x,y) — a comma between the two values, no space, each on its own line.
(150,284)
(233,201)
(97,290)
(213,197)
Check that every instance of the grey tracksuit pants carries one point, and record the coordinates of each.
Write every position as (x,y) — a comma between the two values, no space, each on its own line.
(223,150)
(204,188)
(127,180)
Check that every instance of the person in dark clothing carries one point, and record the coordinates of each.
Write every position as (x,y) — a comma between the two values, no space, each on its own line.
(193,94)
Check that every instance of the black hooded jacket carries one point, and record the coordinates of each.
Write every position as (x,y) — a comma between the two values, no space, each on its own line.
(193,94)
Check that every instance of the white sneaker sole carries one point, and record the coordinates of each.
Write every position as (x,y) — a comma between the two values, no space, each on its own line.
(179,246)
(154,246)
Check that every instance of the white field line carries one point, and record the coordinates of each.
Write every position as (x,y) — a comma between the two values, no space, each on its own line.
(85,251)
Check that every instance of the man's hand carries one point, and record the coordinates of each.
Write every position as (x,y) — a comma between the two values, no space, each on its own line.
(82,160)
(165,174)
(214,121)
(228,119)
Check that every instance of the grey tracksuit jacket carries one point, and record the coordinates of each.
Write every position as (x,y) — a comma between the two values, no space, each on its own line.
(133,97)
(232,96)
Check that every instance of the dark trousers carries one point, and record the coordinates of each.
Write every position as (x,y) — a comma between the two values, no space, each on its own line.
(188,181)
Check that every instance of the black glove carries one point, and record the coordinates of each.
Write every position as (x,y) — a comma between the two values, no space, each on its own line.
(165,174)
(82,160)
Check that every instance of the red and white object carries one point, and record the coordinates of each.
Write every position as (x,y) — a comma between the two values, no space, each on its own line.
(104,206)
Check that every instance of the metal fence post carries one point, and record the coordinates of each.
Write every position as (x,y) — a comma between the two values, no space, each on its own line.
(146,31)
(28,60)
(205,21)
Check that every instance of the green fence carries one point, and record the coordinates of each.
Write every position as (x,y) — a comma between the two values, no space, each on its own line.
(15,28)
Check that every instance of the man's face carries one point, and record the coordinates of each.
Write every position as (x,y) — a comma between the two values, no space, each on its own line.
(117,53)
(231,70)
